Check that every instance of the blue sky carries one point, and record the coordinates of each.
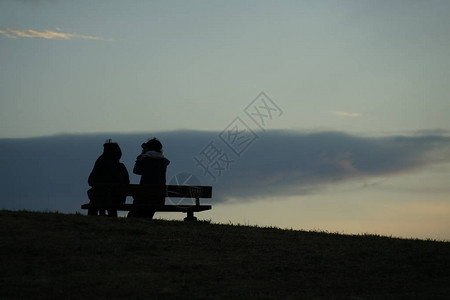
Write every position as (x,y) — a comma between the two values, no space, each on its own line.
(384,62)
(368,69)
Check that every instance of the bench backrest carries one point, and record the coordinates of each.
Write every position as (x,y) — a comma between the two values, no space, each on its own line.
(154,190)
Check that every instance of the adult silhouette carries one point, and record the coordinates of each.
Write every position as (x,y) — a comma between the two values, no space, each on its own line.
(152,166)
(107,169)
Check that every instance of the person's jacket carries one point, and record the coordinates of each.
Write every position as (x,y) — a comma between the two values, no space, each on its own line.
(108,170)
(152,167)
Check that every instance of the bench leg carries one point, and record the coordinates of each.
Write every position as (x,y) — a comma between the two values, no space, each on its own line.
(190,217)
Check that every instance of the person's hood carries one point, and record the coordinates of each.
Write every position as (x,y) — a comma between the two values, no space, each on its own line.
(153,154)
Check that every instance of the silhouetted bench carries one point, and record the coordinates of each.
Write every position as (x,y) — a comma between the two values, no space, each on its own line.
(179,192)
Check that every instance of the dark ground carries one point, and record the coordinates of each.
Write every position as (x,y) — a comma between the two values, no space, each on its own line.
(58,256)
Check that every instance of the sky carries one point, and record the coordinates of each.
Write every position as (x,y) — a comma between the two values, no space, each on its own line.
(344,103)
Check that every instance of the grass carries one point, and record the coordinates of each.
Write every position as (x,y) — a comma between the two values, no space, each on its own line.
(50,255)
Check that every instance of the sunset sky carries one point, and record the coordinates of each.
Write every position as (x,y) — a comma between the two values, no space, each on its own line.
(354,73)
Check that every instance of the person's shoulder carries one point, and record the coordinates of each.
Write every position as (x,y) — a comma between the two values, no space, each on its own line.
(100,160)
(158,160)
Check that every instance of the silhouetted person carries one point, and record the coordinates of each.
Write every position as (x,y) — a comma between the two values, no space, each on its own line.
(151,165)
(107,169)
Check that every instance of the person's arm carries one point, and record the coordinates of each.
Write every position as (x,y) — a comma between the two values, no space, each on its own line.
(125,176)
(138,166)
(91,179)
(94,176)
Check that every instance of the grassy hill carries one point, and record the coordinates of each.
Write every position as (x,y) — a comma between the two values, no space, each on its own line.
(57,256)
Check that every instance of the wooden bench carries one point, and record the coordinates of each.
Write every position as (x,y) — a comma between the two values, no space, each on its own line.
(180,192)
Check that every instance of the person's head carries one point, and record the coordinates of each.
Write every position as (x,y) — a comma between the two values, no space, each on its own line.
(152,145)
(112,150)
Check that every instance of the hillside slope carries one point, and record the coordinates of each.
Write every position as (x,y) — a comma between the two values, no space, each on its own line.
(49,256)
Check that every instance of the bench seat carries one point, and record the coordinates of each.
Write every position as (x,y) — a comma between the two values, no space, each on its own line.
(152,191)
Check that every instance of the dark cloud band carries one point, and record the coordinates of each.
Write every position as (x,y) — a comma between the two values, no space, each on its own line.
(51,173)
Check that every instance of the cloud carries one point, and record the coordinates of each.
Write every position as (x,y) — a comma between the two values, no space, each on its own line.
(346,114)
(36,2)
(5,33)
(292,163)
(48,34)
(50,173)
